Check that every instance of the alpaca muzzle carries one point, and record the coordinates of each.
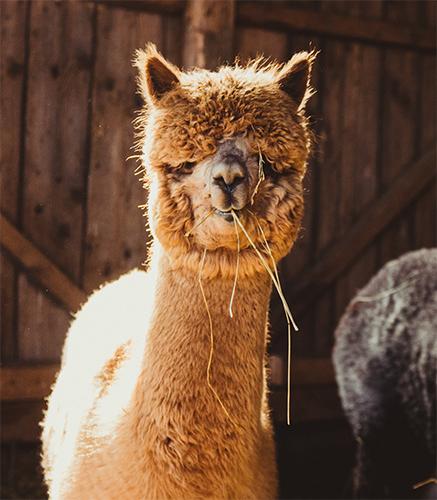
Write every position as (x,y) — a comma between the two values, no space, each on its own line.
(229,186)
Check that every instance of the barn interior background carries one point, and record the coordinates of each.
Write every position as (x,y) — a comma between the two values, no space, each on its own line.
(69,197)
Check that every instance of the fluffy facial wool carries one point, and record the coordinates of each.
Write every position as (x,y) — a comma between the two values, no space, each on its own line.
(132,413)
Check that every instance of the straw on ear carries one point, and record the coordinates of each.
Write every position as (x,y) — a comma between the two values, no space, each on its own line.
(156,75)
(294,78)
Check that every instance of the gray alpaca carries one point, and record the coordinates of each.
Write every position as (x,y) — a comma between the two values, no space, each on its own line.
(385,359)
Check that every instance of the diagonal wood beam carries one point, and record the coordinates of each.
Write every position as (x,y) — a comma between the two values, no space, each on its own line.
(39,266)
(401,193)
(277,14)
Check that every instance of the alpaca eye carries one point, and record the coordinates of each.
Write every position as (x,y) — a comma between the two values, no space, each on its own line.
(186,167)
(269,171)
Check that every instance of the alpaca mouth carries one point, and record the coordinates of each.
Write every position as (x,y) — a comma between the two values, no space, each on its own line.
(227,215)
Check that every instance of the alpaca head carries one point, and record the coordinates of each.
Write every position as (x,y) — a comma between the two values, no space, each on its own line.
(213,143)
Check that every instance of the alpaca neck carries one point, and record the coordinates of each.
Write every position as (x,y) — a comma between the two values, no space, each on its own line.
(174,375)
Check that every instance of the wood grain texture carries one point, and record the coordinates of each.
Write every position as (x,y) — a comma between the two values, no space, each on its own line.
(332,61)
(276,15)
(399,127)
(403,192)
(32,381)
(20,421)
(359,164)
(209,33)
(12,82)
(268,43)
(116,230)
(425,218)
(40,267)
(56,157)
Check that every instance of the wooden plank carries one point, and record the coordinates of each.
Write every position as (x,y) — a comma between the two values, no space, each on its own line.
(276,15)
(116,233)
(40,267)
(56,129)
(252,42)
(43,323)
(333,69)
(173,7)
(425,222)
(33,381)
(173,32)
(14,29)
(209,33)
(359,164)
(305,371)
(402,192)
(399,136)
(308,404)
(27,381)
(12,78)
(56,158)
(20,421)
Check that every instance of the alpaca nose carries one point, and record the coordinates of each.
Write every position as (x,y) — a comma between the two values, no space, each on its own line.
(228,176)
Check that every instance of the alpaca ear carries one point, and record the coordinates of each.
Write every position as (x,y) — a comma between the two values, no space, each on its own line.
(294,78)
(157,76)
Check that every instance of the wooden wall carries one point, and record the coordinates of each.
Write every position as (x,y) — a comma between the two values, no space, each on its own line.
(68,186)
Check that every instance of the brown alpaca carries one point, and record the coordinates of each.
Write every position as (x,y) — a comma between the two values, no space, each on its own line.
(136,413)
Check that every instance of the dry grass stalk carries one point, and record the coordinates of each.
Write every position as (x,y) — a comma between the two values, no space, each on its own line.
(231,301)
(275,279)
(202,220)
(211,332)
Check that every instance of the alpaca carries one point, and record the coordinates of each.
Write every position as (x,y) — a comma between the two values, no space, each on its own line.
(385,358)
(162,387)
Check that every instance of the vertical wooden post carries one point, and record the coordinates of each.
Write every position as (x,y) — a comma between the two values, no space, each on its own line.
(209,33)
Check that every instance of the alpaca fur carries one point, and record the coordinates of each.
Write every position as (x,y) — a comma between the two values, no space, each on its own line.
(131,414)
(385,358)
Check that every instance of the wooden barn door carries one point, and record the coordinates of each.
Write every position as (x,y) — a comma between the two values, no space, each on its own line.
(69,196)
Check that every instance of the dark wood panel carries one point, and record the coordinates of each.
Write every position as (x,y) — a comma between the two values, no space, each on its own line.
(22,382)
(400,126)
(402,193)
(12,75)
(116,232)
(209,33)
(278,16)
(252,42)
(328,191)
(20,420)
(60,60)
(42,269)
(13,78)
(359,163)
(425,217)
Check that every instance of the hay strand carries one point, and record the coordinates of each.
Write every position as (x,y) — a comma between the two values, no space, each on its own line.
(275,279)
(211,336)
(261,175)
(202,220)
(234,287)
